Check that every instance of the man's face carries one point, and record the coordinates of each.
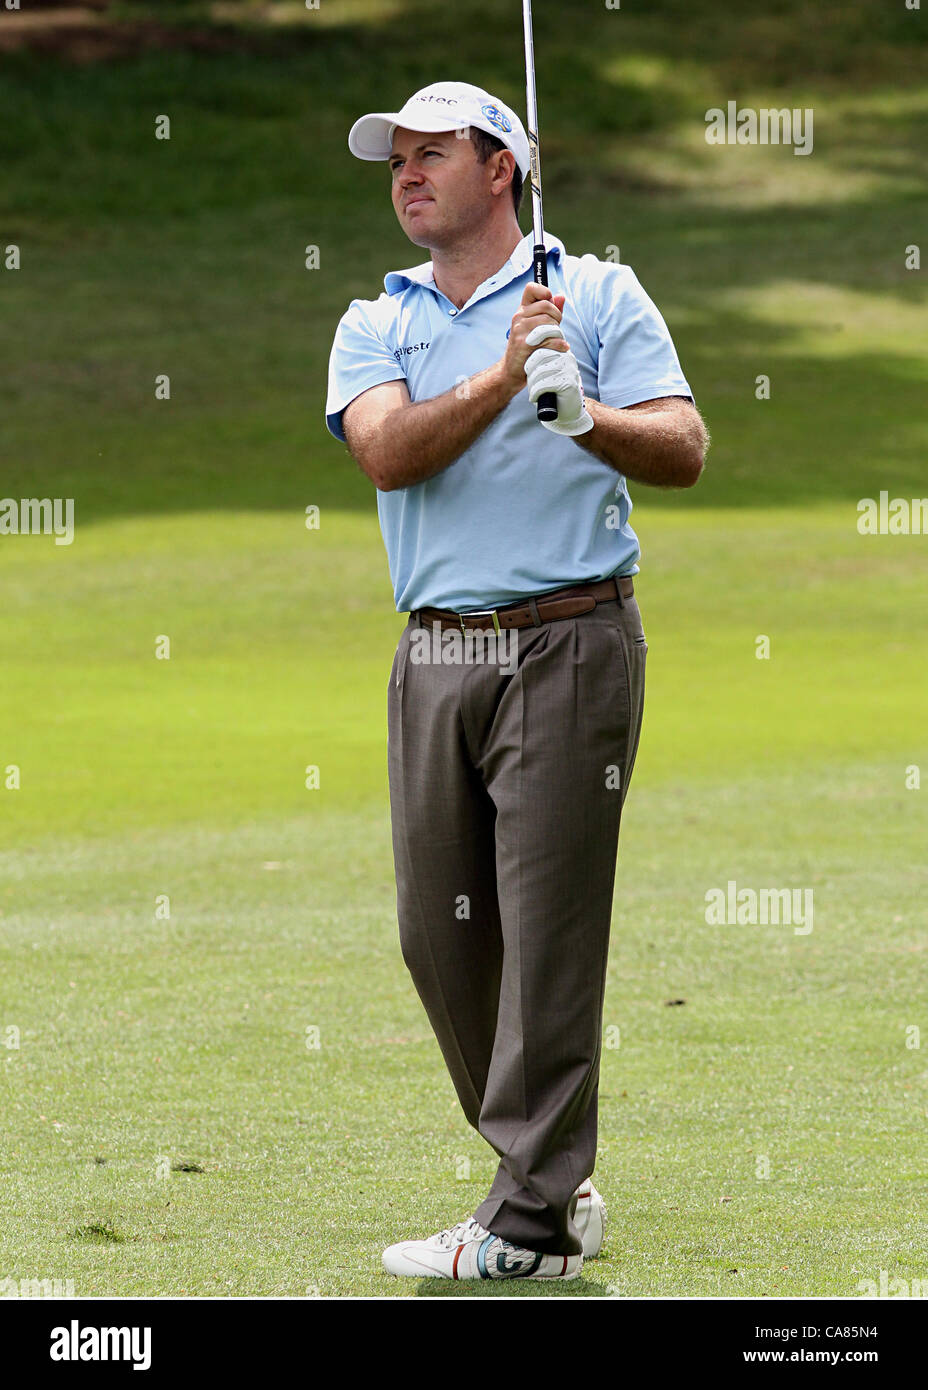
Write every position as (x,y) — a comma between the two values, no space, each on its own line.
(439,188)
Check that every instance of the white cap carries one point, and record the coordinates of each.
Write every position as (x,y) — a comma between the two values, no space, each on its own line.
(441,106)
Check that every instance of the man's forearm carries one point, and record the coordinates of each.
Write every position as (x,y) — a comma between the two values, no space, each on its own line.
(423,439)
(662,443)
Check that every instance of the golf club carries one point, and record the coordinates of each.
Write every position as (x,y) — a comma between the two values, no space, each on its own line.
(547,403)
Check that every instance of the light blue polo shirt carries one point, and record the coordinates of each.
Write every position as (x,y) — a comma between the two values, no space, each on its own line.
(522,510)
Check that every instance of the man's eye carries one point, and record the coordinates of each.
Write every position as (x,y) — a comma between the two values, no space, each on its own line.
(399,162)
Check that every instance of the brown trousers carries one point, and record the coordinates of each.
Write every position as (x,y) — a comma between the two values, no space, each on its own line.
(507,780)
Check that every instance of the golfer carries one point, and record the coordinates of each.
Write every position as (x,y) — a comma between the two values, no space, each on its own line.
(515,698)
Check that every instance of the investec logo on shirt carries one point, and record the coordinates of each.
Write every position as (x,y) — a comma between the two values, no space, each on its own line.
(401,352)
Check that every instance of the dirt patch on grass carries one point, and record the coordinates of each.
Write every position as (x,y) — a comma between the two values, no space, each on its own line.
(83,33)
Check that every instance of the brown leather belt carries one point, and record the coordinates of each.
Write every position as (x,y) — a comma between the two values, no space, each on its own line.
(558,603)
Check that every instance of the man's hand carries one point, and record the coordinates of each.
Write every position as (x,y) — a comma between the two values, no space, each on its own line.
(539,306)
(553,369)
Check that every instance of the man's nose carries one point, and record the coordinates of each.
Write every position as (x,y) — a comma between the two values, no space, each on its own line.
(409,174)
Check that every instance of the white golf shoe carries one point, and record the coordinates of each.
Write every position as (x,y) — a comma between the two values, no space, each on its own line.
(467,1251)
(590,1219)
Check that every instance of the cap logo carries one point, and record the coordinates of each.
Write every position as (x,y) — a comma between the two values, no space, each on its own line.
(497,118)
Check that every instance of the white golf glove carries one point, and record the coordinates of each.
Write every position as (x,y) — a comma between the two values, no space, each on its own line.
(548,370)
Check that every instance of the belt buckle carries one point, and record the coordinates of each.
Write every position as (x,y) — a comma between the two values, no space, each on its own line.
(479,613)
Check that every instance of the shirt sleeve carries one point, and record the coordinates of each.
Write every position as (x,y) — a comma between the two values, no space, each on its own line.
(637,358)
(359,359)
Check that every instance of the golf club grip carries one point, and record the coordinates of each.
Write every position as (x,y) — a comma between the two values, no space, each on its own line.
(547,404)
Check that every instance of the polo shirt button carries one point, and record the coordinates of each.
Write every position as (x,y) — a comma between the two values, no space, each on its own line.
(452,312)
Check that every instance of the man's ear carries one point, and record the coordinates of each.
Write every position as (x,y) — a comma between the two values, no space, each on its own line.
(506,165)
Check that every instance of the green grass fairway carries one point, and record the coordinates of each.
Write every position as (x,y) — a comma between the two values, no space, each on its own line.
(216,1077)
(147,1042)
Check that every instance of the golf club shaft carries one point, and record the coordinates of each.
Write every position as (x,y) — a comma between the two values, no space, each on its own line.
(547,404)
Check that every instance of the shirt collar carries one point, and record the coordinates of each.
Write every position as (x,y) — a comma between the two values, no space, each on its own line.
(521,259)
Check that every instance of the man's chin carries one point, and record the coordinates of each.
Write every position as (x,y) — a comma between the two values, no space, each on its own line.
(416,217)
(420,235)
